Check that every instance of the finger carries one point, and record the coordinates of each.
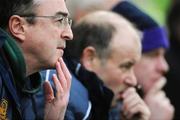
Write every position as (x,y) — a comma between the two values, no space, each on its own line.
(128,92)
(136,112)
(129,108)
(65,69)
(131,102)
(128,99)
(139,110)
(48,91)
(66,72)
(158,85)
(161,94)
(58,87)
(61,76)
(161,97)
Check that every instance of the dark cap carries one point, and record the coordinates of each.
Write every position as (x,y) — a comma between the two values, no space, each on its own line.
(154,36)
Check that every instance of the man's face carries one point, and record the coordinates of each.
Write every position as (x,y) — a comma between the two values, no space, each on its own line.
(46,39)
(117,70)
(151,68)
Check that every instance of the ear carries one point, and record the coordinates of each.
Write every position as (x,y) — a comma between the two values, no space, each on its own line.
(17,27)
(89,57)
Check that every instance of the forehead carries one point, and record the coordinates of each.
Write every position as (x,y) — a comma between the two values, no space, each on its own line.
(125,45)
(51,7)
(125,38)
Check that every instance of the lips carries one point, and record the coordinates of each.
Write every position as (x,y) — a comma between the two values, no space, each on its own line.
(62,48)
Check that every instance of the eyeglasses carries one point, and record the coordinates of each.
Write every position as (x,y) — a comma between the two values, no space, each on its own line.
(62,20)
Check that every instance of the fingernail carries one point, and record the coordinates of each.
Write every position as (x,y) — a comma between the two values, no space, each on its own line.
(60,59)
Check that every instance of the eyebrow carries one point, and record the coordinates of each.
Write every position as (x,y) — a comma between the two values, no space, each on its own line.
(61,13)
(129,64)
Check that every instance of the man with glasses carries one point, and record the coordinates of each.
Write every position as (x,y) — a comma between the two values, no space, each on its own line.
(61,18)
(33,36)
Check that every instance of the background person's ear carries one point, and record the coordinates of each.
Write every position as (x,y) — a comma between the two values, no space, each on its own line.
(17,27)
(88,57)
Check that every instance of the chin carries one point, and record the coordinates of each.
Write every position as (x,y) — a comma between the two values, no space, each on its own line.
(52,64)
(60,53)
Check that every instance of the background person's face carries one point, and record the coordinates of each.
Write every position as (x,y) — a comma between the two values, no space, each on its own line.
(151,68)
(117,70)
(46,40)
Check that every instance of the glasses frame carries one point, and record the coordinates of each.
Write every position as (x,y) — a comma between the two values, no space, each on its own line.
(64,20)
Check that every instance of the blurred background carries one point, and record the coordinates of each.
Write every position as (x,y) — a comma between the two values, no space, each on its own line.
(155,8)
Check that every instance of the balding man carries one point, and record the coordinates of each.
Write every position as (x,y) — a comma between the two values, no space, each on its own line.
(108,47)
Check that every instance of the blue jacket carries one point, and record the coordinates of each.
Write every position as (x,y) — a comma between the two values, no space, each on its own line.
(16,102)
(79,106)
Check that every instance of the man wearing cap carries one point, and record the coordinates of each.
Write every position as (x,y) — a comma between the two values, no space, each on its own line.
(152,66)
(150,74)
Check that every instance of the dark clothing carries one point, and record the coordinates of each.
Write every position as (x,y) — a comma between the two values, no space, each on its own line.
(115,112)
(173,76)
(15,102)
(100,96)
(8,95)
(89,98)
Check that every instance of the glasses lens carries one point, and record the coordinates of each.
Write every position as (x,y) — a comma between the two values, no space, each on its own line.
(70,22)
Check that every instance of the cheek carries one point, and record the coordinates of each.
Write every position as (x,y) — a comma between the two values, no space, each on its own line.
(51,36)
(115,80)
(47,49)
(49,31)
(143,71)
(147,82)
(147,86)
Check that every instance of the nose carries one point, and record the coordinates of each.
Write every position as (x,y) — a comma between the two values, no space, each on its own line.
(131,79)
(67,33)
(162,65)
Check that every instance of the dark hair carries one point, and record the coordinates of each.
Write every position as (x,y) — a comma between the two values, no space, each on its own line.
(14,7)
(90,34)
(173,22)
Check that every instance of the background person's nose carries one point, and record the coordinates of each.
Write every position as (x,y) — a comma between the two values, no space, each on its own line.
(131,79)
(162,65)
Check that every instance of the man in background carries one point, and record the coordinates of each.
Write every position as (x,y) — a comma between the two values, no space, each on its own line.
(152,66)
(108,48)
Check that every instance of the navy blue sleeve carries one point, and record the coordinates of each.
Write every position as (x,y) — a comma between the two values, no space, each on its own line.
(69,115)
(0,84)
